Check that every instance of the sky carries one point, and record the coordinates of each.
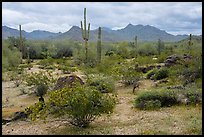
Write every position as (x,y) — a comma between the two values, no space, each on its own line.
(173,17)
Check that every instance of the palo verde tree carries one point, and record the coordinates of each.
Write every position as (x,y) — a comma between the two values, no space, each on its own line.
(99,45)
(85,34)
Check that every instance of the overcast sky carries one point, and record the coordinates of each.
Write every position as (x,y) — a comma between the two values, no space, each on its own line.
(173,17)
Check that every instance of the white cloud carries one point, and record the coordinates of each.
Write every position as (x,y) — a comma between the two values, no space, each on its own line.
(59,16)
(48,27)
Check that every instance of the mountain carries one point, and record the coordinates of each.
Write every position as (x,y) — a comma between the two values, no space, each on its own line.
(7,32)
(39,34)
(143,33)
(35,35)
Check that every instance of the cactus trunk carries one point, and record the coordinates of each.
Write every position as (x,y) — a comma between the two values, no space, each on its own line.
(99,45)
(135,44)
(20,44)
(135,41)
(190,43)
(159,47)
(85,35)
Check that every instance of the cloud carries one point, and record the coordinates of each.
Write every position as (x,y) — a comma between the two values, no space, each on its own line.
(177,17)
(41,26)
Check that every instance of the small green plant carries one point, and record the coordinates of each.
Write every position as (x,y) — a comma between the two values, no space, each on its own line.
(102,83)
(151,73)
(161,74)
(130,75)
(41,90)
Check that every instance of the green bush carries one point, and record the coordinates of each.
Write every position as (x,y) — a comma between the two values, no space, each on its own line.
(160,74)
(102,83)
(150,73)
(155,99)
(41,90)
(150,105)
(130,75)
(193,96)
(151,100)
(80,105)
(40,80)
(11,58)
(66,69)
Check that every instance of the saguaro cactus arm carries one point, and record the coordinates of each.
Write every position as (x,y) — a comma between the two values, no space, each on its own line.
(82,31)
(88,31)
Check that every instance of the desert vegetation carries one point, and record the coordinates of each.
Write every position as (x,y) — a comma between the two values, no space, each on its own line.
(87,87)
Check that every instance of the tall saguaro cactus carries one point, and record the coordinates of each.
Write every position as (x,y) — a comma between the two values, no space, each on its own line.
(190,43)
(99,45)
(21,41)
(159,46)
(85,34)
(135,42)
(135,45)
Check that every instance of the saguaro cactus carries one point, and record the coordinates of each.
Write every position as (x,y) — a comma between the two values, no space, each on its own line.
(85,34)
(20,44)
(99,45)
(190,40)
(135,42)
(159,46)
(190,43)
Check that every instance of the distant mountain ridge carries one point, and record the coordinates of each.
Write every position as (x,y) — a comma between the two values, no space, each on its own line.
(143,33)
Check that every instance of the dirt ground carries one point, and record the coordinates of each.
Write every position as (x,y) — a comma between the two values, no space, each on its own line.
(125,120)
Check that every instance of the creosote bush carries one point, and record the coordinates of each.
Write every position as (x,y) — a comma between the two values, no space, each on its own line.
(102,83)
(42,81)
(80,105)
(155,99)
(157,74)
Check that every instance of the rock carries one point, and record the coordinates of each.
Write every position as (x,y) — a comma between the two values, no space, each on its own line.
(69,81)
(173,59)
(19,115)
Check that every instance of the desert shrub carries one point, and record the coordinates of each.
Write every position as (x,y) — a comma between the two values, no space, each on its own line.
(64,52)
(192,95)
(46,62)
(147,49)
(67,69)
(40,80)
(130,75)
(102,83)
(160,74)
(11,58)
(16,76)
(80,105)
(150,73)
(168,97)
(150,105)
(144,60)
(41,90)
(155,99)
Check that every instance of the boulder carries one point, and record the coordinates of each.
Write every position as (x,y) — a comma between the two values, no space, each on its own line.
(69,81)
